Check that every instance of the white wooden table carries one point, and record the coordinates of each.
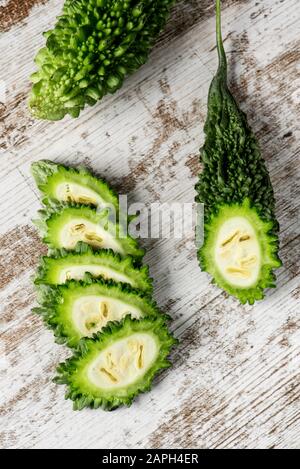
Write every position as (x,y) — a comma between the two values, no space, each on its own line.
(235,381)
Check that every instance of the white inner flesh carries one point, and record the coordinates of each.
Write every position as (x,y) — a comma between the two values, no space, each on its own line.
(123,362)
(72,192)
(91,313)
(77,272)
(81,229)
(237,252)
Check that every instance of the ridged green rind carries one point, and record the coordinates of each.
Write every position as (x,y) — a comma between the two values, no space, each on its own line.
(48,271)
(56,303)
(233,167)
(94,45)
(49,175)
(268,247)
(84,394)
(234,172)
(52,219)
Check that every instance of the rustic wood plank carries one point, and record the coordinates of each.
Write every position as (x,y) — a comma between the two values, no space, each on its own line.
(235,381)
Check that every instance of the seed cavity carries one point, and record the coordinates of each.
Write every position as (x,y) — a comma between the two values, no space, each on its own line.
(81,199)
(230,239)
(110,361)
(244,238)
(94,320)
(238,272)
(140,361)
(68,275)
(248,261)
(124,362)
(91,236)
(69,199)
(133,346)
(104,309)
(92,323)
(79,228)
(84,199)
(109,375)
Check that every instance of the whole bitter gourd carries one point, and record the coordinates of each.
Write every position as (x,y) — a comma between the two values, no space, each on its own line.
(65,265)
(79,309)
(94,45)
(241,245)
(59,183)
(113,367)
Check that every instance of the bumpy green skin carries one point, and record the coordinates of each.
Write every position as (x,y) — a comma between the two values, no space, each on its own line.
(85,394)
(234,174)
(56,303)
(54,217)
(50,268)
(49,175)
(94,45)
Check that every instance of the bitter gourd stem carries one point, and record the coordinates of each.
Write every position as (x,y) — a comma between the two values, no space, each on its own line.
(220,47)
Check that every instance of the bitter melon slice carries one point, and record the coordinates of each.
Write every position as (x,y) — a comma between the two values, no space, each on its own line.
(65,265)
(65,225)
(240,251)
(113,367)
(80,308)
(60,183)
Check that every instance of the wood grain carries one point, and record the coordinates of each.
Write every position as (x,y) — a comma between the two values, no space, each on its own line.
(235,381)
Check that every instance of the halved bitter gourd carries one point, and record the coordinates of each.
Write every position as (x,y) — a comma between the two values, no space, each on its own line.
(241,244)
(63,184)
(64,225)
(65,265)
(113,367)
(80,308)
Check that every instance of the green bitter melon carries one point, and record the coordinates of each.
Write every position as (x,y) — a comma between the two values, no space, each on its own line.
(94,45)
(241,245)
(78,309)
(113,367)
(65,265)
(63,184)
(63,226)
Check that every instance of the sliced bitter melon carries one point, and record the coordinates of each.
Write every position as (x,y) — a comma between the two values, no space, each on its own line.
(80,308)
(240,251)
(113,367)
(64,225)
(59,183)
(65,265)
